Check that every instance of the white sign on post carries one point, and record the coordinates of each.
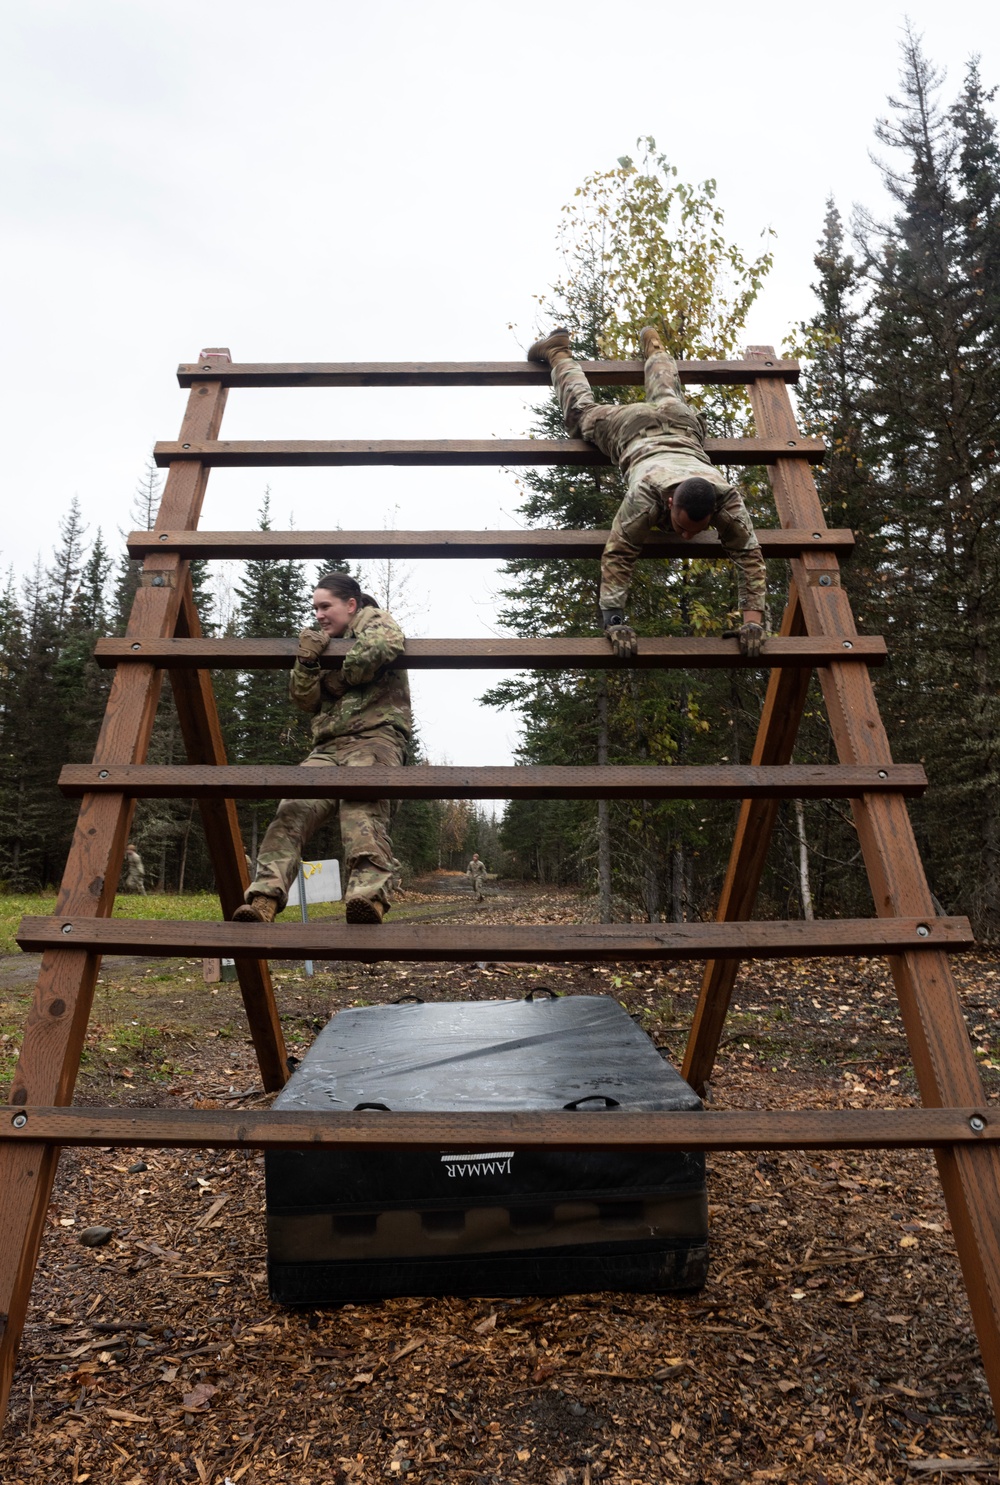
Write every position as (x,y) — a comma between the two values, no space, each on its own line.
(322,879)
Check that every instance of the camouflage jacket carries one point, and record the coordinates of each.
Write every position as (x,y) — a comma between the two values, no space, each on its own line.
(476,869)
(367,692)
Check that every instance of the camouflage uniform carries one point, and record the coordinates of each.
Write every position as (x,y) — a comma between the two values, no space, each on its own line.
(656,444)
(476,872)
(362,717)
(135,872)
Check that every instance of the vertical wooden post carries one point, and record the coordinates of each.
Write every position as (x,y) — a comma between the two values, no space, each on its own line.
(779,725)
(932,1013)
(57,1023)
(199,719)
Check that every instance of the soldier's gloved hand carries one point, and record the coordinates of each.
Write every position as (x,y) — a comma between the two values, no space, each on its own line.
(312,643)
(751,638)
(620,634)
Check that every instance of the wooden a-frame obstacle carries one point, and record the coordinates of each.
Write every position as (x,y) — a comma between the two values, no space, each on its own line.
(817,632)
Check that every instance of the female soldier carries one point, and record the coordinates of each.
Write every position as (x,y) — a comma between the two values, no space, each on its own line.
(361,717)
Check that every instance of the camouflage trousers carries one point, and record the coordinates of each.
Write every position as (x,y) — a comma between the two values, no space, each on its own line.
(599,422)
(652,480)
(364,824)
(135,880)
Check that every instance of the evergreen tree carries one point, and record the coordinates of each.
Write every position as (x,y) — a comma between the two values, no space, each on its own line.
(13,658)
(903,378)
(142,513)
(932,387)
(273,601)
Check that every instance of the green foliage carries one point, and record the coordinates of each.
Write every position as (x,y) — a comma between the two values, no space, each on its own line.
(264,727)
(657,248)
(639,248)
(905,382)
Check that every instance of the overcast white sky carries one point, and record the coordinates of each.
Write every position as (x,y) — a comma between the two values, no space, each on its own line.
(317,180)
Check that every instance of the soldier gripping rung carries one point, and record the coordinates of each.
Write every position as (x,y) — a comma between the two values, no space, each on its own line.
(269,453)
(275,781)
(468,373)
(254,545)
(500,654)
(430,942)
(556,1129)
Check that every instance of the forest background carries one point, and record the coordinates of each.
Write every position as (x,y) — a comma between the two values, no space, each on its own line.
(901,375)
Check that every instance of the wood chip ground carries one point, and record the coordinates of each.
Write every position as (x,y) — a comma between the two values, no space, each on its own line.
(832,1344)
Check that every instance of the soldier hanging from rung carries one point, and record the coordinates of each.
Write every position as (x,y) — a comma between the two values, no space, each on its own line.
(659,446)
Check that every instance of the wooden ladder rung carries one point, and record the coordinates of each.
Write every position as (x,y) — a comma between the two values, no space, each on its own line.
(467,373)
(710,1129)
(501,654)
(253,545)
(276,781)
(334,939)
(268,453)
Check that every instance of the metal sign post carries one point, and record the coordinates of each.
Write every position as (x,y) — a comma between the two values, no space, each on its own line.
(304,910)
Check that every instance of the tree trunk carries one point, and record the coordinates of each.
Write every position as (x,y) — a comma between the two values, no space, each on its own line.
(677,884)
(184,849)
(603,810)
(650,878)
(805,891)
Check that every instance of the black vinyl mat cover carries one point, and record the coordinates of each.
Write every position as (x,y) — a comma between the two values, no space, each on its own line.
(503,1055)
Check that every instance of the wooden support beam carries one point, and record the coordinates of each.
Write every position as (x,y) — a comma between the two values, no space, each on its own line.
(937,1034)
(57,1022)
(469,373)
(287,453)
(199,723)
(500,654)
(610,1129)
(532,542)
(279,781)
(779,725)
(427,942)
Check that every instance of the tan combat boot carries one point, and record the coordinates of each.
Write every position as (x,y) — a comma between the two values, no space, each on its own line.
(364,910)
(650,342)
(260,909)
(551,348)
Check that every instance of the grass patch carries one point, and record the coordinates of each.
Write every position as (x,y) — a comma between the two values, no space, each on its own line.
(202,907)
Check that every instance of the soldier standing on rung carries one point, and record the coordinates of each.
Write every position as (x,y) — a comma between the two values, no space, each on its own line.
(659,446)
(361,718)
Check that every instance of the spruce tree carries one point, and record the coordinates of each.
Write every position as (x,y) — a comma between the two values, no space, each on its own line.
(273,602)
(903,378)
(932,389)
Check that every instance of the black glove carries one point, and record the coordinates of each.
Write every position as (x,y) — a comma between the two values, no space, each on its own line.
(751,638)
(312,643)
(622,637)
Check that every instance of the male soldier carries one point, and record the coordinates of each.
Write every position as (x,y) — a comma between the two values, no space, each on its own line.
(476,872)
(659,445)
(361,717)
(135,872)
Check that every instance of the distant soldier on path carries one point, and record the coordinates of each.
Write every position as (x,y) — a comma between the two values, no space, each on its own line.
(659,446)
(361,718)
(135,872)
(476,872)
